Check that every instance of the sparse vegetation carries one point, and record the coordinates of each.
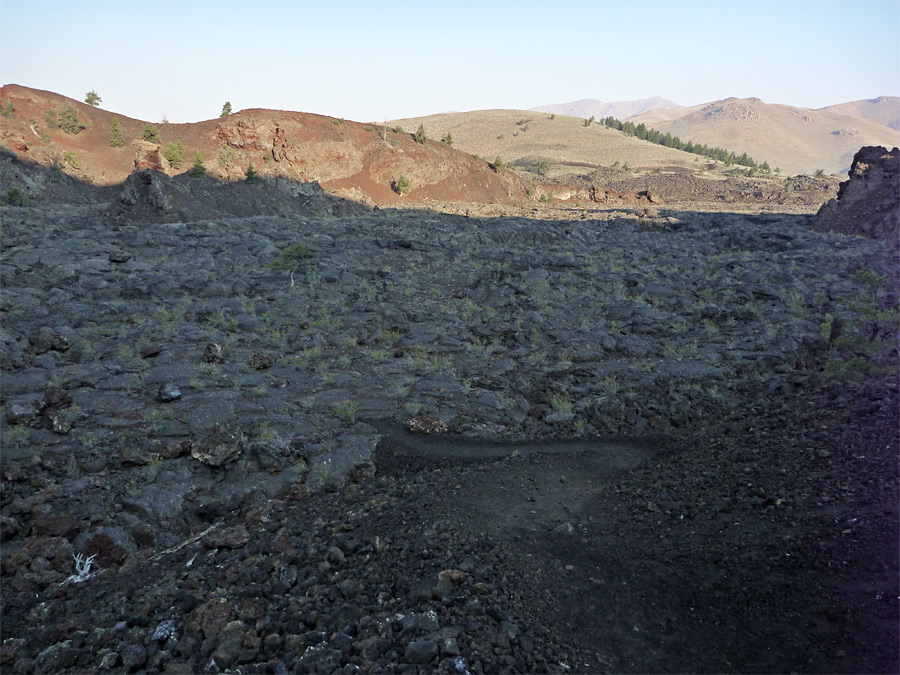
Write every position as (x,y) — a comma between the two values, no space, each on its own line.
(226,109)
(174,153)
(447,139)
(546,198)
(16,197)
(542,167)
(589,122)
(92,98)
(116,140)
(820,173)
(8,109)
(69,158)
(51,119)
(668,140)
(498,164)
(419,136)
(401,186)
(198,168)
(150,134)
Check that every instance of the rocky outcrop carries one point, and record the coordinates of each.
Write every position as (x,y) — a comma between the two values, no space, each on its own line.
(147,156)
(868,203)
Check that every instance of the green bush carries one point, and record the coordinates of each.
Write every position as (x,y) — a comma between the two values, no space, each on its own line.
(174,153)
(419,136)
(447,139)
(226,109)
(92,98)
(51,119)
(820,173)
(498,164)
(116,140)
(68,120)
(542,167)
(8,109)
(150,134)
(198,168)
(17,197)
(290,259)
(401,186)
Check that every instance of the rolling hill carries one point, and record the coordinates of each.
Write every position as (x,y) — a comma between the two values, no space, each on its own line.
(797,140)
(525,137)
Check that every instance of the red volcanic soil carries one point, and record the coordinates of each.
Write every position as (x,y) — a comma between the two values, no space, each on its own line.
(359,161)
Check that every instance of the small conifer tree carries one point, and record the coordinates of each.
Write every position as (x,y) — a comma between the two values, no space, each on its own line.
(150,133)
(92,98)
(116,140)
(174,153)
(198,168)
(226,109)
(251,174)
(420,136)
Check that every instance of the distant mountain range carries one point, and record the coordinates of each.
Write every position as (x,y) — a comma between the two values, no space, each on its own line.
(591,107)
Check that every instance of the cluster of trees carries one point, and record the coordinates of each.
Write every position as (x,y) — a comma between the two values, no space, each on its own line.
(668,140)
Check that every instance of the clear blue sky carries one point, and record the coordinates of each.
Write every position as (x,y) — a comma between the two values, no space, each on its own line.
(371,61)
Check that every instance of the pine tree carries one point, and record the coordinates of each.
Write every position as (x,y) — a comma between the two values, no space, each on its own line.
(252,176)
(198,168)
(226,109)
(116,140)
(92,98)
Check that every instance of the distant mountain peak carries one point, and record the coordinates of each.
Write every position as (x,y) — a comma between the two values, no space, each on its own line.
(591,107)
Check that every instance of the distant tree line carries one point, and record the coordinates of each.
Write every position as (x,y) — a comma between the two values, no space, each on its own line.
(668,140)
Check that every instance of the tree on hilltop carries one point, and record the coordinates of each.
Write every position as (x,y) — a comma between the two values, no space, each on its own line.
(92,98)
(226,109)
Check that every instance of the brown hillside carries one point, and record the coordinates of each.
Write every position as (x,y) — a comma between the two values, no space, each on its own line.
(524,137)
(883,110)
(347,158)
(796,140)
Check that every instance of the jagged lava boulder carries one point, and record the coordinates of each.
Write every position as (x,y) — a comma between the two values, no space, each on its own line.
(868,203)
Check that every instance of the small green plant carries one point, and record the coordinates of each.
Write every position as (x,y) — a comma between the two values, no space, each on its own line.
(251,175)
(69,158)
(561,404)
(820,173)
(198,168)
(346,409)
(419,136)
(17,197)
(174,153)
(542,167)
(546,198)
(447,139)
(589,122)
(401,186)
(51,118)
(226,109)
(150,134)
(8,109)
(116,140)
(290,259)
(498,164)
(92,98)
